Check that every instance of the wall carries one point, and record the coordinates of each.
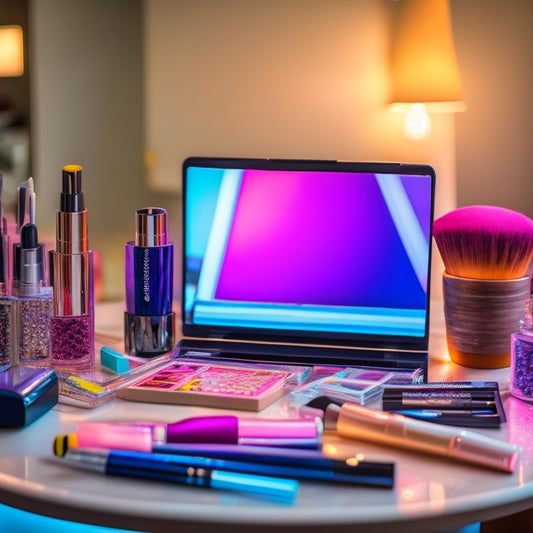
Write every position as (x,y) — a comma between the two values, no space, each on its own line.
(87,98)
(494,46)
(15,115)
(16,90)
(268,78)
(276,78)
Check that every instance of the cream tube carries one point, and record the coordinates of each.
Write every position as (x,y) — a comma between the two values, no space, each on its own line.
(355,422)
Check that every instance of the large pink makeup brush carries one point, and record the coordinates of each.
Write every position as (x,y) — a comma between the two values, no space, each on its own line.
(485,242)
(487,253)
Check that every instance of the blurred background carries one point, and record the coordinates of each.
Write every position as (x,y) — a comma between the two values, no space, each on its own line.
(130,88)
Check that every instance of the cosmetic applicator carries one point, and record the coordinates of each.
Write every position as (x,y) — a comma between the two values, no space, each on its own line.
(221,429)
(486,251)
(353,421)
(485,242)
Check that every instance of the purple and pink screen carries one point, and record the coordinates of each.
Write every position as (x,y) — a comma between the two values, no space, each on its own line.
(322,239)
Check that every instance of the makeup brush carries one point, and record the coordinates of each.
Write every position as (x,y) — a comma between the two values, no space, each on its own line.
(485,242)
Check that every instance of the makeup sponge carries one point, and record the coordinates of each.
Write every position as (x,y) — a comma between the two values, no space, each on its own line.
(485,242)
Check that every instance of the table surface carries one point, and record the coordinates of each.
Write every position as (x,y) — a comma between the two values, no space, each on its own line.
(431,493)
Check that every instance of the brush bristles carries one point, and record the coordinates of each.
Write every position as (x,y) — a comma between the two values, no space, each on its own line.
(483,242)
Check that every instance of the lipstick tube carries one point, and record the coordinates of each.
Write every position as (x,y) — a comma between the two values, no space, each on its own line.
(71,275)
(7,319)
(149,320)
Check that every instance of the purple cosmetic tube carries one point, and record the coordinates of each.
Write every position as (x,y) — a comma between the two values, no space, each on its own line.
(149,320)
(71,274)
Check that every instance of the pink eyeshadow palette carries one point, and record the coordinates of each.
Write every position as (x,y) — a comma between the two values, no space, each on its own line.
(221,386)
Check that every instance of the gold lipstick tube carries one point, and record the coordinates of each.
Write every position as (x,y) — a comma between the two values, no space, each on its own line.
(72,279)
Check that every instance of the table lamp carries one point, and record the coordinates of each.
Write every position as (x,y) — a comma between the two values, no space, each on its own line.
(424,72)
(11,51)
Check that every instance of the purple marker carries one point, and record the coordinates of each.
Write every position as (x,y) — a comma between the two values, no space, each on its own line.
(149,320)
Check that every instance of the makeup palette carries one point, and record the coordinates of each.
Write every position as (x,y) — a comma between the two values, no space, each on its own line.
(232,387)
(26,394)
(356,385)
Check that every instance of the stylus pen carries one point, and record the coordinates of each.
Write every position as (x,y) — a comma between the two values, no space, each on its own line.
(159,467)
(311,465)
(355,422)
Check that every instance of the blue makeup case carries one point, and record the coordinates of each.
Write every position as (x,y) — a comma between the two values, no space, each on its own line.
(26,394)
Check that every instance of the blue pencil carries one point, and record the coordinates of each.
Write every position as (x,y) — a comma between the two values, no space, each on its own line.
(145,465)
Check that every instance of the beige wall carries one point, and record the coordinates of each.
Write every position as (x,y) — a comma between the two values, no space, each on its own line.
(494,45)
(87,99)
(278,78)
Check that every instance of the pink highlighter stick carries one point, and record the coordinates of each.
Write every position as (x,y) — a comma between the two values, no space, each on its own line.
(220,429)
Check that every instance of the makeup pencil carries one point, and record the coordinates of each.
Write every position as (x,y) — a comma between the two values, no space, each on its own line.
(172,469)
(311,465)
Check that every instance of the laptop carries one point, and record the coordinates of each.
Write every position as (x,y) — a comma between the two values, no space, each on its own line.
(306,261)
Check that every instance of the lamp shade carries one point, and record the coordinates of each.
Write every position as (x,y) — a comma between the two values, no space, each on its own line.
(424,65)
(11,51)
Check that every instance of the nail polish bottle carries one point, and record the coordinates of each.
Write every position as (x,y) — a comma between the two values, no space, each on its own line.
(7,320)
(33,303)
(521,385)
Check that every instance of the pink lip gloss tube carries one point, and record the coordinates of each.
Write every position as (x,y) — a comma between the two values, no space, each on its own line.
(71,275)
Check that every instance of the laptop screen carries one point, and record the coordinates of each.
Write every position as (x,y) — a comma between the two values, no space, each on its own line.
(326,251)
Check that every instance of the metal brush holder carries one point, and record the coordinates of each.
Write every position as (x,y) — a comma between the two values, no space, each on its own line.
(480,317)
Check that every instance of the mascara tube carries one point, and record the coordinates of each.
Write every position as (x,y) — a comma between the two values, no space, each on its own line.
(149,320)
(71,276)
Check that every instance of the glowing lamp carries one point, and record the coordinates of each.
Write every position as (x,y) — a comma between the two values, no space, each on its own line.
(424,73)
(11,51)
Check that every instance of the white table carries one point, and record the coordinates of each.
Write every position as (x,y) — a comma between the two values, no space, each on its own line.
(431,494)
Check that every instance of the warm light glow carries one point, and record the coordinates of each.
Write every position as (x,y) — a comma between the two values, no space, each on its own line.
(11,51)
(417,123)
(424,68)
(352,461)
(407,495)
(329,449)
(356,459)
